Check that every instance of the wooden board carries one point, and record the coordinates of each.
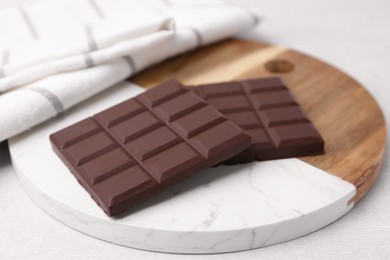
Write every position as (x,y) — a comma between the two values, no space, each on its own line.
(204,215)
(347,116)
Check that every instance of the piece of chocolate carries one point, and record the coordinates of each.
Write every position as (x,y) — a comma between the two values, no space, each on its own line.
(266,110)
(130,152)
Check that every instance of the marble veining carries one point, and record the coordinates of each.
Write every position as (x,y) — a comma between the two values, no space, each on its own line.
(223,209)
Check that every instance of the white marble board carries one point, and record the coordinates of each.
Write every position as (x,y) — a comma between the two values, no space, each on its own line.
(224,209)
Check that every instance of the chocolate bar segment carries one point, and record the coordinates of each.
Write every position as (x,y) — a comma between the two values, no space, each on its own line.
(130,152)
(268,112)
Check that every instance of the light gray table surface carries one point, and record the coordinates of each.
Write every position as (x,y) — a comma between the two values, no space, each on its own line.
(353,35)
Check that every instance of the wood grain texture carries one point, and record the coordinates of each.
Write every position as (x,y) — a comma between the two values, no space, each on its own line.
(346,115)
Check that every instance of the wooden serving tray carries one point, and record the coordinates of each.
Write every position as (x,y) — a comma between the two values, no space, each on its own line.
(226,208)
(346,115)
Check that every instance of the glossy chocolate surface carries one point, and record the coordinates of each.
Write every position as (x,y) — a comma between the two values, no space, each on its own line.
(130,152)
(266,109)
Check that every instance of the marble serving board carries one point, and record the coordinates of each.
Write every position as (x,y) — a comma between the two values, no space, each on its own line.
(227,208)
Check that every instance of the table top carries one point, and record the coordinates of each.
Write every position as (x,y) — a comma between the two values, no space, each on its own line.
(350,35)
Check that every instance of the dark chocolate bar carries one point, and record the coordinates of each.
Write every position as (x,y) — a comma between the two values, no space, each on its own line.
(267,111)
(128,153)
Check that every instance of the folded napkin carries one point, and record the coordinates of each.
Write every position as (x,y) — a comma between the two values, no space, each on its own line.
(55,54)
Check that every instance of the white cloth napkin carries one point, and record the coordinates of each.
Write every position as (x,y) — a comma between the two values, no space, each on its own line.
(54,54)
